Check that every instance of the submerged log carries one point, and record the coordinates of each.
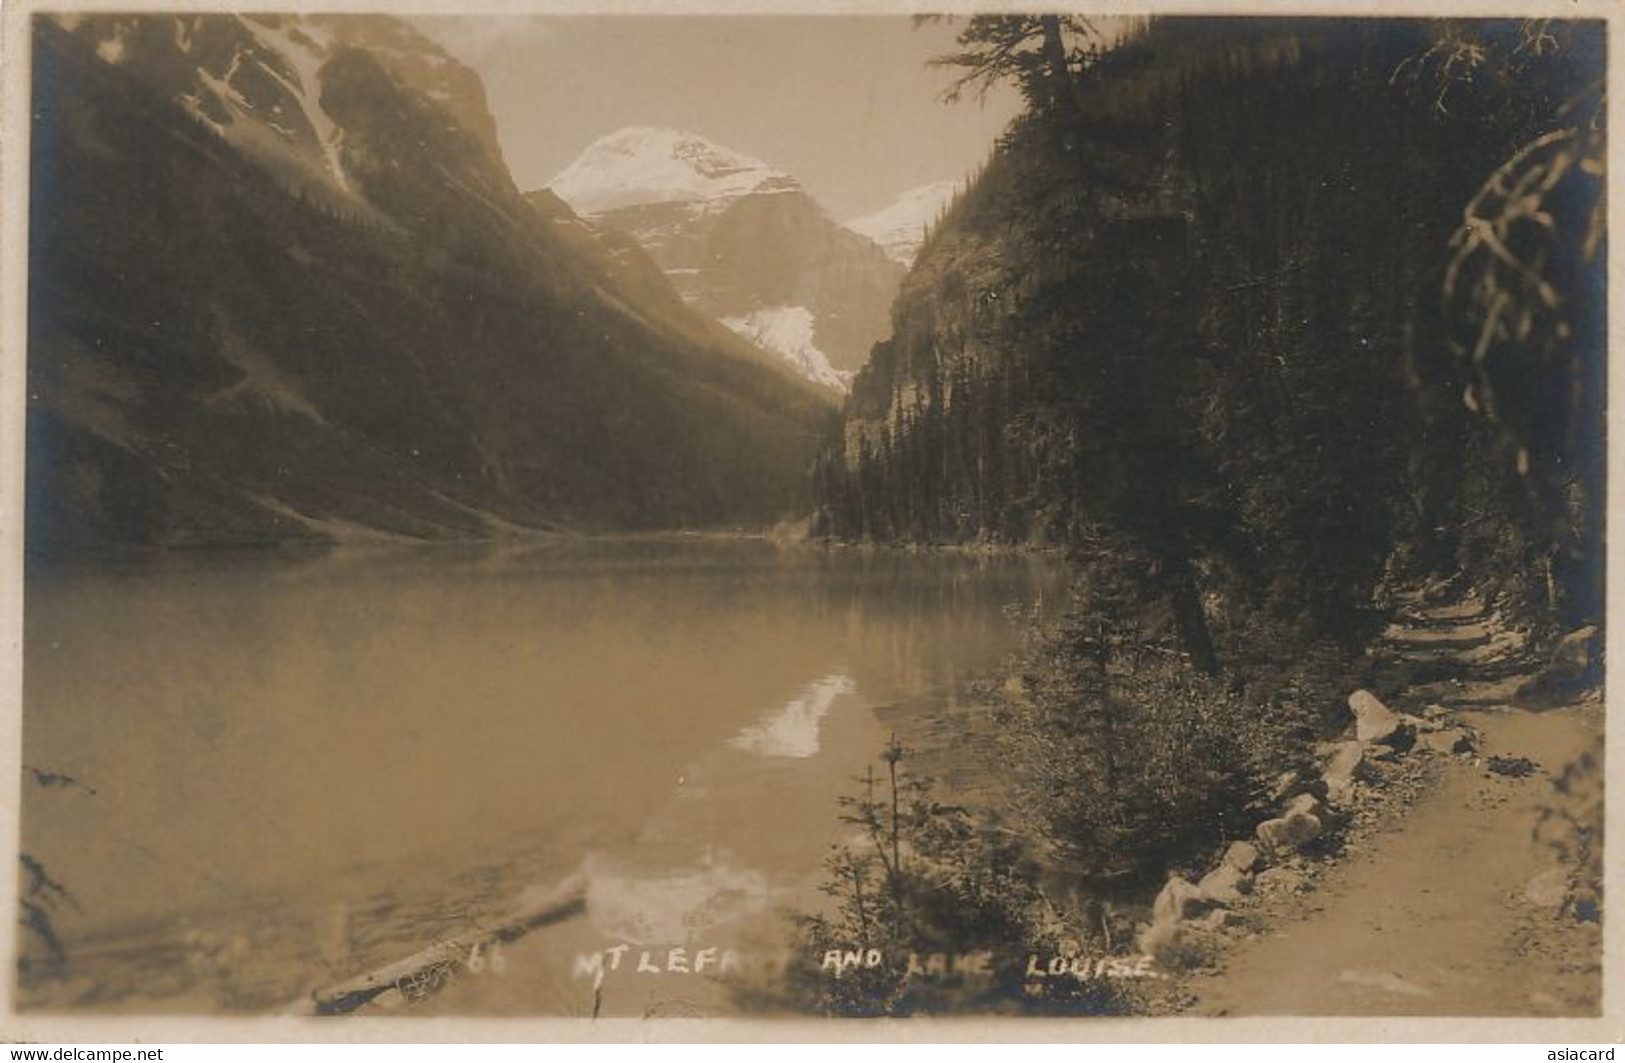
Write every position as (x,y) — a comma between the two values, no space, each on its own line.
(427,970)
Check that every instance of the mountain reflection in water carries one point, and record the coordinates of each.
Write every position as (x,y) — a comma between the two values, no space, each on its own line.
(309,765)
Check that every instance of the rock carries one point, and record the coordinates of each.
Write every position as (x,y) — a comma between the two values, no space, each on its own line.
(1548,889)
(1575,665)
(1243,856)
(1306,805)
(1151,935)
(1290,831)
(1225,885)
(1286,784)
(1280,880)
(1178,900)
(1342,771)
(1577,653)
(1373,721)
(1448,742)
(1220,919)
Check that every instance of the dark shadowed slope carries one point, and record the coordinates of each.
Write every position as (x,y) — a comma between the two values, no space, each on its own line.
(283,288)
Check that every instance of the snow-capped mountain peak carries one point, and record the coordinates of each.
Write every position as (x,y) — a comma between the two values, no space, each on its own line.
(900,227)
(742,241)
(641,165)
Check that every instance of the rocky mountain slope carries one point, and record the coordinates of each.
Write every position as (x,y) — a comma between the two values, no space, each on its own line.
(743,242)
(283,287)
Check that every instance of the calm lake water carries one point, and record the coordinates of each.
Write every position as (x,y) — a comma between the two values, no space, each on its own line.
(309,764)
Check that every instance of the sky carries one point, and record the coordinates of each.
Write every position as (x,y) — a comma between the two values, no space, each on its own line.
(845,103)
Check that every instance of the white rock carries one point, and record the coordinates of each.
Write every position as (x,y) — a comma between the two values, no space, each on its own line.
(1243,856)
(1342,771)
(1373,721)
(1178,900)
(1283,835)
(1305,805)
(1224,885)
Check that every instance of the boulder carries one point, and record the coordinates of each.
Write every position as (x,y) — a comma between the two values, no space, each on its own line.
(1225,885)
(1305,805)
(1243,856)
(1178,900)
(1286,784)
(1219,919)
(1575,665)
(1373,721)
(1578,652)
(1289,832)
(1342,771)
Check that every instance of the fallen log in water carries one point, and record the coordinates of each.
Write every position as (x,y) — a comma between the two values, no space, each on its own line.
(426,971)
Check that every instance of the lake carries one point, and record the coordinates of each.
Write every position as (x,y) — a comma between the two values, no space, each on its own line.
(291,767)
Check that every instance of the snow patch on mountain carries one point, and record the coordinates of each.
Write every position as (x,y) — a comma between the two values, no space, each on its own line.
(900,227)
(787,331)
(640,165)
(111,50)
(256,82)
(305,47)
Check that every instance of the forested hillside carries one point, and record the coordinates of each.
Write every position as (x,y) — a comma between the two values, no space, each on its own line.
(1272,326)
(1215,301)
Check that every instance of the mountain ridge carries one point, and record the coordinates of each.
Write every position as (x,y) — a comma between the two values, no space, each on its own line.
(224,348)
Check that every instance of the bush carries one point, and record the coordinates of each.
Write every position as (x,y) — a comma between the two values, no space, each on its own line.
(1129,762)
(923,879)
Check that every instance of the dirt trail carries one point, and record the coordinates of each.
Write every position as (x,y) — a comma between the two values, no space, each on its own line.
(1429,910)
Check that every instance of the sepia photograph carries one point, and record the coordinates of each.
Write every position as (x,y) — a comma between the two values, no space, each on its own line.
(775,517)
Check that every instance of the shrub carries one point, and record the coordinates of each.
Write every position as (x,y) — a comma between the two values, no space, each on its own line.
(1129,762)
(924,879)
